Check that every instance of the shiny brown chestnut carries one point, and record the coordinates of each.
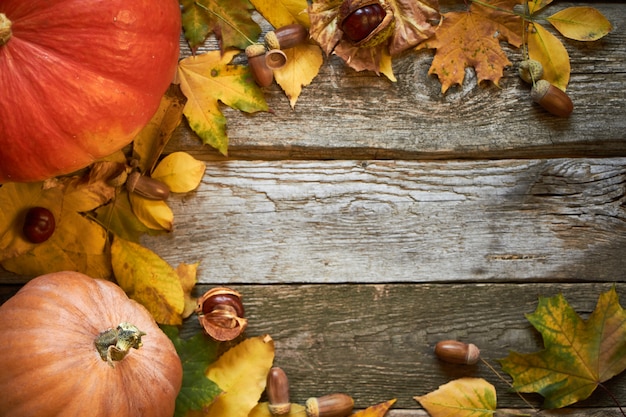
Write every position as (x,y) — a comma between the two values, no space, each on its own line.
(552,98)
(261,73)
(286,37)
(221,313)
(39,225)
(366,23)
(454,351)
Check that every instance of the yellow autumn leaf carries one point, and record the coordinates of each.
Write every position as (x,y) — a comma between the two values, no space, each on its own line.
(150,141)
(378,410)
(536,5)
(77,243)
(180,171)
(149,280)
(154,214)
(241,374)
(546,48)
(283,12)
(464,397)
(303,64)
(262,410)
(187,276)
(581,23)
(208,79)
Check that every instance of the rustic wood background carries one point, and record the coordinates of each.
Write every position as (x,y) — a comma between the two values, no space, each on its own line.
(377,218)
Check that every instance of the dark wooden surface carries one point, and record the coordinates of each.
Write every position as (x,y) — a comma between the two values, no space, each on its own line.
(377,218)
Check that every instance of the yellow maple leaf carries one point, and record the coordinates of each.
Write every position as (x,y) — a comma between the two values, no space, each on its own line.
(472,38)
(208,79)
(241,374)
(283,12)
(378,410)
(463,397)
(149,280)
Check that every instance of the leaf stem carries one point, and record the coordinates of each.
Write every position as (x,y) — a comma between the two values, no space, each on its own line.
(501,378)
(236,29)
(613,398)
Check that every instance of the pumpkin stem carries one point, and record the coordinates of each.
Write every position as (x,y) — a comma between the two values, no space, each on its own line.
(114,344)
(5,29)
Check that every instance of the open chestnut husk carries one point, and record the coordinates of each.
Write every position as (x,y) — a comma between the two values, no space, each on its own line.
(366,23)
(221,313)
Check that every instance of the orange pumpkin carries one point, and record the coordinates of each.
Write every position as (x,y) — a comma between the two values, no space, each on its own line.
(49,363)
(79,79)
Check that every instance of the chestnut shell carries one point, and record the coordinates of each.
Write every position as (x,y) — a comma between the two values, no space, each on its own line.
(361,22)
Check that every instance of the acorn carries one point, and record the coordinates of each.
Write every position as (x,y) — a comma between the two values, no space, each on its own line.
(552,98)
(366,23)
(275,59)
(530,70)
(454,351)
(278,392)
(261,73)
(286,37)
(332,405)
(147,187)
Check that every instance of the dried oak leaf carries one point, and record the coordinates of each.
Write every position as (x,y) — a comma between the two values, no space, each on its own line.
(579,354)
(472,39)
(414,22)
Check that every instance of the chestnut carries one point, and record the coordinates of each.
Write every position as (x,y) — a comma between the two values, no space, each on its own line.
(39,224)
(221,314)
(366,23)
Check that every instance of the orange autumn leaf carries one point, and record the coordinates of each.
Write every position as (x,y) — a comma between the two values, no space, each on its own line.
(378,410)
(579,354)
(472,39)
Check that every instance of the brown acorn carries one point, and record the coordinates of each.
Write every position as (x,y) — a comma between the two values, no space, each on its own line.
(332,405)
(275,59)
(261,73)
(147,187)
(454,351)
(552,98)
(286,37)
(366,23)
(278,392)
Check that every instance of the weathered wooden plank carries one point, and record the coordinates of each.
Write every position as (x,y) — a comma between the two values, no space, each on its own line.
(349,115)
(376,341)
(399,221)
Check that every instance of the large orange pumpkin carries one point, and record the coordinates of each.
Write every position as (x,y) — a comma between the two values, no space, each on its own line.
(79,79)
(49,364)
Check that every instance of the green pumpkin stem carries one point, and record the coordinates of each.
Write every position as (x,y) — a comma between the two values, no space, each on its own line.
(114,344)
(5,29)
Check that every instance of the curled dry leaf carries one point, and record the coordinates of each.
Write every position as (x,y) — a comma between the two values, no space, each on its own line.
(412,23)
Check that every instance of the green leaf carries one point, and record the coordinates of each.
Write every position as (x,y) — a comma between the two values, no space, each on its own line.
(579,354)
(196,354)
(197,23)
(581,23)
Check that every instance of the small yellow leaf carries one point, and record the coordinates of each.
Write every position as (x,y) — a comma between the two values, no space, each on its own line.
(303,64)
(548,49)
(581,23)
(154,214)
(464,397)
(241,373)
(283,12)
(385,66)
(149,280)
(536,5)
(378,410)
(187,275)
(180,171)
(262,410)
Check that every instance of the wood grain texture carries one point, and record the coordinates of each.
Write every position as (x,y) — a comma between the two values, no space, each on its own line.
(376,342)
(348,115)
(403,221)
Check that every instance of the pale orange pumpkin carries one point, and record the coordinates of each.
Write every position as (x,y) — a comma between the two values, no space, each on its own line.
(49,364)
(79,79)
